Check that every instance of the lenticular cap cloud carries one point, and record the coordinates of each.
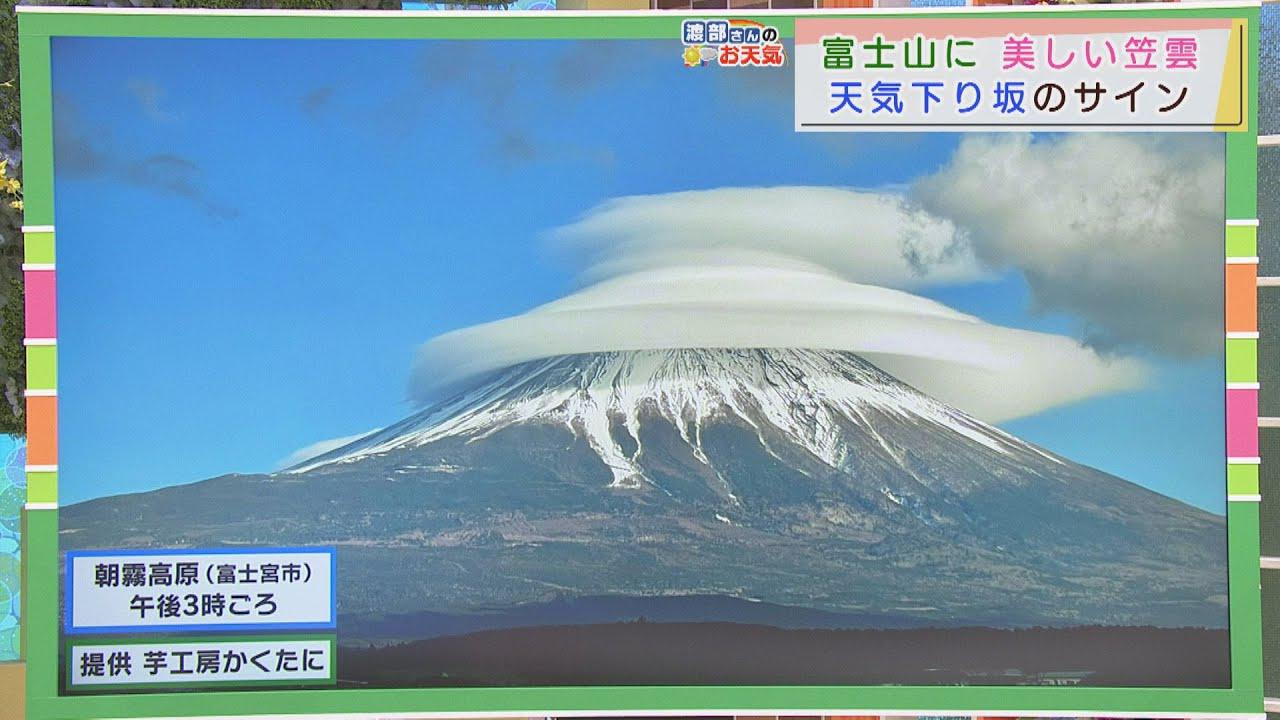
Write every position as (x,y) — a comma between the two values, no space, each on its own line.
(863,236)
(995,373)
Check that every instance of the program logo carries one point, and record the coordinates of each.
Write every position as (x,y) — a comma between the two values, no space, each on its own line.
(732,43)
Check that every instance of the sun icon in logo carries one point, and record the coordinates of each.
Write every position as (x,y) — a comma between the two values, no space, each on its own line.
(692,56)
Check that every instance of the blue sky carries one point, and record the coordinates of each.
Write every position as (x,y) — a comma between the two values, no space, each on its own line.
(256,236)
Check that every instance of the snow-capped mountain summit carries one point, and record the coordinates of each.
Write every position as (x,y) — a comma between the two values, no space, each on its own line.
(798,477)
(818,399)
(821,401)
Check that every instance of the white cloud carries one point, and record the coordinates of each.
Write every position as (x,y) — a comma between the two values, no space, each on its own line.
(992,372)
(871,237)
(1117,230)
(317,449)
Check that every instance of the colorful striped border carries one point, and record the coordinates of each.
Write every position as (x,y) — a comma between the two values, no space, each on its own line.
(40,278)
(1241,317)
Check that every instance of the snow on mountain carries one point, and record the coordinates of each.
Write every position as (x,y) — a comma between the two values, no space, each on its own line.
(812,397)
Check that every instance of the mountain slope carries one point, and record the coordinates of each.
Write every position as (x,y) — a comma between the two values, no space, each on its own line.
(797,477)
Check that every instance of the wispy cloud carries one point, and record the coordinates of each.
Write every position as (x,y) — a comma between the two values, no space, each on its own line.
(86,152)
(315,101)
(510,96)
(317,449)
(148,94)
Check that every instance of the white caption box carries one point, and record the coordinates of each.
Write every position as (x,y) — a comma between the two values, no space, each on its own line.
(265,589)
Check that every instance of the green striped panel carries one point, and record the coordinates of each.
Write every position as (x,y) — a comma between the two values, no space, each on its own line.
(42,487)
(1242,241)
(1242,360)
(37,247)
(42,367)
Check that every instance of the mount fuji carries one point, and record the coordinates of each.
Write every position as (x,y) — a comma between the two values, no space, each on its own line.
(765,478)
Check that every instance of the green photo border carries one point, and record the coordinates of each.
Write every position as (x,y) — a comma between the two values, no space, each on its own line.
(37,25)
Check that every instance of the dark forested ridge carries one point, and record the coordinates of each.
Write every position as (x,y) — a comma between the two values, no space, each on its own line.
(646,653)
